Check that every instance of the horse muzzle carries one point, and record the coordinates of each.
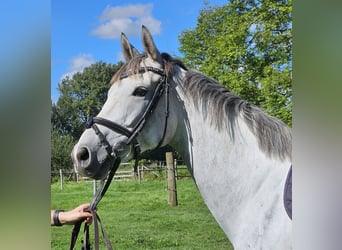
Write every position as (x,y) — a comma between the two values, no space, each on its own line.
(91,163)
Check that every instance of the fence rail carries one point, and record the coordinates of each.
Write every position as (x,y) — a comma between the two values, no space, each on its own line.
(170,169)
(154,170)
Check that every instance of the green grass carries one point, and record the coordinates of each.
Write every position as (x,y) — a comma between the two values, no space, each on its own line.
(137,216)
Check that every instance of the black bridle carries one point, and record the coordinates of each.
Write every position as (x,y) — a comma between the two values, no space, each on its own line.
(113,153)
(161,88)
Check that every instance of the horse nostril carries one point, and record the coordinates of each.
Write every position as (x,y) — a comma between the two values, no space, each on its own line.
(83,154)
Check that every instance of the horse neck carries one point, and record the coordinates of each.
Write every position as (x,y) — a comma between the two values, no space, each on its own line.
(229,171)
(206,146)
(197,136)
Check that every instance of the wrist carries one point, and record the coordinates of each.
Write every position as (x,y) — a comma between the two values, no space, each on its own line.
(56,220)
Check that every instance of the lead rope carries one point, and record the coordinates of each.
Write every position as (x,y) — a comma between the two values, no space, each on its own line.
(96,219)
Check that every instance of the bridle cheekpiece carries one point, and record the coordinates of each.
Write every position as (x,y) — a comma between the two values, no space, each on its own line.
(161,88)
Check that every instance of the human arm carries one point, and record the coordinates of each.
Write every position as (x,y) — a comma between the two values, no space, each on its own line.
(72,216)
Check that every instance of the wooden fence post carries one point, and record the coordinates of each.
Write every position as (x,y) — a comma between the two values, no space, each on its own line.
(61,177)
(94,187)
(171,180)
(139,174)
(175,166)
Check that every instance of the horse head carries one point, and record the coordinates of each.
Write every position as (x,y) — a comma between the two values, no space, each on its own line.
(132,119)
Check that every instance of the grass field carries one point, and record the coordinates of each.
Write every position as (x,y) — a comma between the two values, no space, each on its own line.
(137,216)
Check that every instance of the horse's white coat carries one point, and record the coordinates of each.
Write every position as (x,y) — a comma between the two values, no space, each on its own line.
(241,185)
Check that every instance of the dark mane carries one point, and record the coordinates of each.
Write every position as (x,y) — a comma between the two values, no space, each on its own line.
(222,108)
(134,65)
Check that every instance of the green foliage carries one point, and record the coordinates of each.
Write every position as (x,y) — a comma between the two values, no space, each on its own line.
(61,146)
(246,46)
(81,96)
(159,154)
(137,216)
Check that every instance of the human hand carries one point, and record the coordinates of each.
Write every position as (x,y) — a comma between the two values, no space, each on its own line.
(75,215)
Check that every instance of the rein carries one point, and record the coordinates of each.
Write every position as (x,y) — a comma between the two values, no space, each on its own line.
(114,153)
(100,192)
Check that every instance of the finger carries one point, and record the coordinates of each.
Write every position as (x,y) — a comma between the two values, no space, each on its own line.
(88,221)
(85,206)
(88,215)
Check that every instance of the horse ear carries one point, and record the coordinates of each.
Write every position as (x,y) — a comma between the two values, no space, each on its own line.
(149,45)
(128,49)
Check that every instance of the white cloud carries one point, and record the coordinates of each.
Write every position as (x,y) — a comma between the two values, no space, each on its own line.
(78,63)
(127,19)
(120,57)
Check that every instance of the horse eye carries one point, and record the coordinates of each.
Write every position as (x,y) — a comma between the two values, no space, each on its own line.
(140,91)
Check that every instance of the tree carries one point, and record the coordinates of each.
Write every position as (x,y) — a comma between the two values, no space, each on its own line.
(246,45)
(61,146)
(82,95)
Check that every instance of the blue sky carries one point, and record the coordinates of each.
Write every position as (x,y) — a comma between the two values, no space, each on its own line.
(84,32)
